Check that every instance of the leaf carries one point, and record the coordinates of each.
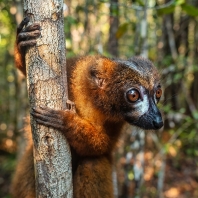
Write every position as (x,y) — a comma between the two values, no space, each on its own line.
(167,10)
(195,115)
(190,10)
(179,2)
(122,30)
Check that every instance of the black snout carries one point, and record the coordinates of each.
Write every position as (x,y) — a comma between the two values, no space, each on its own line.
(157,122)
(156,116)
(151,120)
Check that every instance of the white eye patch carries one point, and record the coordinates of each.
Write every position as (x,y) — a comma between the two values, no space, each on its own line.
(141,107)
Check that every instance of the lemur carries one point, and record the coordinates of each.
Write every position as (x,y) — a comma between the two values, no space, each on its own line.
(108,93)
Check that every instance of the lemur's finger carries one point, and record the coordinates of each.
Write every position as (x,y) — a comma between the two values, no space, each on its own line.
(22,24)
(46,111)
(25,35)
(32,27)
(49,110)
(49,124)
(26,43)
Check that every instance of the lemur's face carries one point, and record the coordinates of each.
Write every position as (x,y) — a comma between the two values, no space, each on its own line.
(142,93)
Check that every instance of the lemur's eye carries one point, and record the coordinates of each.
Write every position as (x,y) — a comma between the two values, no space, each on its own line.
(133,95)
(158,93)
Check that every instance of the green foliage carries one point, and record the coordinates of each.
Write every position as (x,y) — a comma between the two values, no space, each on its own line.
(190,10)
(122,29)
(167,10)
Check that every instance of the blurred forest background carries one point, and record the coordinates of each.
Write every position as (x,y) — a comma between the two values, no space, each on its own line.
(147,164)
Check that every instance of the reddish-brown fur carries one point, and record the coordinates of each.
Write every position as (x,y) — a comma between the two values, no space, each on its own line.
(92,138)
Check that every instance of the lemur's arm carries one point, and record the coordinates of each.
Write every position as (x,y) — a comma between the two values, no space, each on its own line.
(86,139)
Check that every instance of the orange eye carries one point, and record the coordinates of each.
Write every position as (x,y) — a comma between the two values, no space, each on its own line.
(133,95)
(158,93)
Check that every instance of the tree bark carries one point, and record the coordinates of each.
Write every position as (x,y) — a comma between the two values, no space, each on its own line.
(114,22)
(47,85)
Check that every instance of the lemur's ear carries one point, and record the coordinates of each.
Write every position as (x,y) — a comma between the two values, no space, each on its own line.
(98,78)
(101,71)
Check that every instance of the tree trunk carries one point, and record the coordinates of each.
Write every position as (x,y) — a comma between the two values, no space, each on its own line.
(47,85)
(114,22)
